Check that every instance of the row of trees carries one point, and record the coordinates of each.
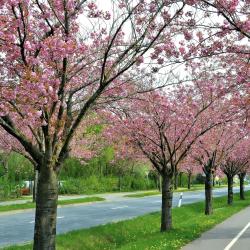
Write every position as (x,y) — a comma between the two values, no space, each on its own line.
(62,60)
(189,134)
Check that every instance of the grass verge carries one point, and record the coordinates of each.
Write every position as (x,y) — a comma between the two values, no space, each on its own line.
(24,197)
(150,193)
(60,202)
(180,189)
(143,232)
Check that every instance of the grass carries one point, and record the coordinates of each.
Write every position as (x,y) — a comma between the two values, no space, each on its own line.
(150,193)
(25,197)
(80,200)
(143,232)
(60,202)
(180,189)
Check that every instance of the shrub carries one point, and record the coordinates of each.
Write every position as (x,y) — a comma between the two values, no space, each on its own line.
(95,184)
(9,189)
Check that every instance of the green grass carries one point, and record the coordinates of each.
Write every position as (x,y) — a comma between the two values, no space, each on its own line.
(25,197)
(80,200)
(150,193)
(180,189)
(197,187)
(60,202)
(143,232)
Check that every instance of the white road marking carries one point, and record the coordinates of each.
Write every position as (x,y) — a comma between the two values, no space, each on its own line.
(156,201)
(58,217)
(237,237)
(119,207)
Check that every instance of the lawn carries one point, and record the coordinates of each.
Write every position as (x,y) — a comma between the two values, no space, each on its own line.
(142,233)
(60,202)
(25,197)
(143,194)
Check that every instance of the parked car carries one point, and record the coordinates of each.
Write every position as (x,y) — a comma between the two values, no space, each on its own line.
(27,187)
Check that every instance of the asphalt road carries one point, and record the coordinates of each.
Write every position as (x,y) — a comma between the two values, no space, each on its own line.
(232,234)
(16,228)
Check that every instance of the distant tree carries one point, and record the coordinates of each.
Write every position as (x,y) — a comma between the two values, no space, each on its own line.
(236,162)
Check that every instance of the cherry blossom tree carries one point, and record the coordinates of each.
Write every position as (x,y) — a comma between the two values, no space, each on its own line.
(94,135)
(236,161)
(190,167)
(234,13)
(223,48)
(164,126)
(212,149)
(242,174)
(88,141)
(54,69)
(61,59)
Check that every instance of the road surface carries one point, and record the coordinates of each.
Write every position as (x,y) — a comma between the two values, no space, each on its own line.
(17,227)
(232,234)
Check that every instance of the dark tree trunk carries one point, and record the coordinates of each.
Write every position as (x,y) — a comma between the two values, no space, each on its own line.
(120,182)
(176,180)
(229,189)
(160,182)
(35,185)
(242,188)
(214,180)
(189,181)
(180,179)
(208,193)
(166,210)
(155,178)
(46,209)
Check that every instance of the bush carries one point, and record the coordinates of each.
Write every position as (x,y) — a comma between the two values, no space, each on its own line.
(138,182)
(89,185)
(95,184)
(9,189)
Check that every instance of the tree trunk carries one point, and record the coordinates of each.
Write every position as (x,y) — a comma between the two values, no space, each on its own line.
(160,182)
(180,179)
(176,180)
(35,185)
(229,189)
(189,181)
(208,193)
(166,209)
(214,180)
(46,209)
(120,182)
(242,192)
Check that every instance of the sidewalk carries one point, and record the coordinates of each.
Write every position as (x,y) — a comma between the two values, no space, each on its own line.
(232,234)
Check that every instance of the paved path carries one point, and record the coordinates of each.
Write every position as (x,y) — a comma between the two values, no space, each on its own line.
(18,227)
(232,234)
